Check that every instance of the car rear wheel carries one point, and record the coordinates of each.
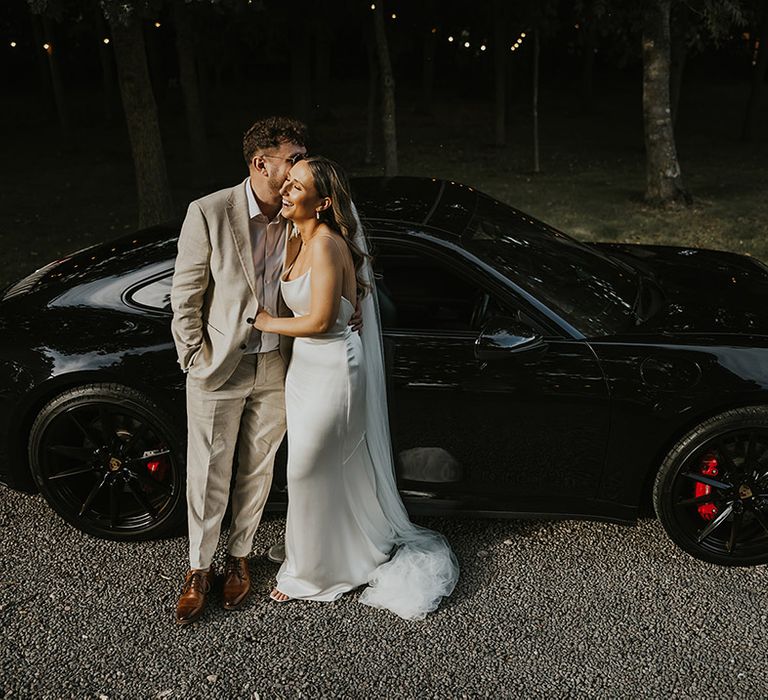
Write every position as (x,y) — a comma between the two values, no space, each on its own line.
(108,460)
(711,493)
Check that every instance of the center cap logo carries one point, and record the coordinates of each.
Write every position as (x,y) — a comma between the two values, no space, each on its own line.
(745,491)
(114,464)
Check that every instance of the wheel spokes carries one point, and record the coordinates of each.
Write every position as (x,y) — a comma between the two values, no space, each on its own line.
(760,518)
(71,472)
(92,495)
(85,430)
(698,500)
(735,528)
(154,455)
(137,435)
(719,520)
(725,456)
(142,499)
(708,480)
(80,454)
(151,483)
(106,419)
(114,504)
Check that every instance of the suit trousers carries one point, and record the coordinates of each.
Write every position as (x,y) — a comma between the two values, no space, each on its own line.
(251,405)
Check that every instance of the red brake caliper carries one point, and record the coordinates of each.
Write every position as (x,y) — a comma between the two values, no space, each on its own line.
(708,511)
(156,467)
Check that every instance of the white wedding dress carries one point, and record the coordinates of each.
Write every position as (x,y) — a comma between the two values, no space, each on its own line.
(346,525)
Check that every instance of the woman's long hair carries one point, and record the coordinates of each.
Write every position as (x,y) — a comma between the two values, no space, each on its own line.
(331,181)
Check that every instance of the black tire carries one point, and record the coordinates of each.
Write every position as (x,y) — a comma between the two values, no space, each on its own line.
(711,492)
(109,461)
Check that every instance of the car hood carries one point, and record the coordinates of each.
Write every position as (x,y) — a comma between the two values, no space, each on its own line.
(696,291)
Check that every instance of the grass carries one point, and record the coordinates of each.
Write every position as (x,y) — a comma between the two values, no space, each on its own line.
(53,201)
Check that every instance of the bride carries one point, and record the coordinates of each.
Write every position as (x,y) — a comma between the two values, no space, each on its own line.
(346,525)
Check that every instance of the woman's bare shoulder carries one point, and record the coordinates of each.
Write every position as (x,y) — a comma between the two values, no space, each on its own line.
(326,239)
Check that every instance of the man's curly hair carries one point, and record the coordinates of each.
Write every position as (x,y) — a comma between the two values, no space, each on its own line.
(271,132)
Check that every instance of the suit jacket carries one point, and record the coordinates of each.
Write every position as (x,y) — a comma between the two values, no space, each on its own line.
(214,291)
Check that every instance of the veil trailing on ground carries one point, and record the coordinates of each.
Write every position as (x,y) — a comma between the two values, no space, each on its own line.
(423,568)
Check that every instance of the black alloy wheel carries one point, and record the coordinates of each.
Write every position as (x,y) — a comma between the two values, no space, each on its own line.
(108,460)
(711,493)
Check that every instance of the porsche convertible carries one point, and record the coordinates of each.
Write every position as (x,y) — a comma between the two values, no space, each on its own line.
(529,375)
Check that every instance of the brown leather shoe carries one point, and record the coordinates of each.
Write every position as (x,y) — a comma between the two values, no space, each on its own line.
(237,581)
(194,595)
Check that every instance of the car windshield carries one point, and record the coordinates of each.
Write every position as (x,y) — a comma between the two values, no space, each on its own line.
(593,292)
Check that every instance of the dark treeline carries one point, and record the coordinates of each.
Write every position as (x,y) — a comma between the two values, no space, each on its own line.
(131,52)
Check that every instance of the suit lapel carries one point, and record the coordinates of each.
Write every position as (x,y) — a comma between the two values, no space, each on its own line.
(237,216)
(290,249)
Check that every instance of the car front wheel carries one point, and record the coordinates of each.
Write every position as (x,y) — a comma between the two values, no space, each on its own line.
(108,460)
(711,492)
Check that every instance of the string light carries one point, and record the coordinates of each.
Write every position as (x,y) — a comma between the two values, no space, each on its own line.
(373,7)
(466,44)
(157,25)
(13,44)
(394,16)
(518,43)
(450,38)
(434,30)
(106,40)
(482,48)
(47,47)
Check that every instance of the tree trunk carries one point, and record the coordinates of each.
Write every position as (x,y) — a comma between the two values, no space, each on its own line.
(679,56)
(663,179)
(185,49)
(500,52)
(373,92)
(105,58)
(679,32)
(155,205)
(58,87)
(154,59)
(535,102)
(758,78)
(387,93)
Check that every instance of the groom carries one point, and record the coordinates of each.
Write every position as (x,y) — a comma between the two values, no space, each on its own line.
(230,258)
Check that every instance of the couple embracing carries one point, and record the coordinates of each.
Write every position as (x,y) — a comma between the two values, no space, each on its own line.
(276,324)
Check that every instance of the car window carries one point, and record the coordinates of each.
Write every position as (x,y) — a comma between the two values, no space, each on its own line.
(590,290)
(152,294)
(419,292)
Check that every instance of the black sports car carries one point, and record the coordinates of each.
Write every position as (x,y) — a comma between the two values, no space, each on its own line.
(529,375)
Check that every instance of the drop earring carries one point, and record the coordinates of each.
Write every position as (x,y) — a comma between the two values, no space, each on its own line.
(317,215)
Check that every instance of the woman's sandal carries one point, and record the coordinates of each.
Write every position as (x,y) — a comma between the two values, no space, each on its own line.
(278,600)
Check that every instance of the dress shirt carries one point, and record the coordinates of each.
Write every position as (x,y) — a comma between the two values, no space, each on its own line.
(268,241)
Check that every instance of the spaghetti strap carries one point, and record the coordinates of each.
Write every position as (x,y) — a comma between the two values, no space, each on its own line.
(333,238)
(338,243)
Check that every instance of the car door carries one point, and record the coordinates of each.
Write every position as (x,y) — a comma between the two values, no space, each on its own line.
(524,432)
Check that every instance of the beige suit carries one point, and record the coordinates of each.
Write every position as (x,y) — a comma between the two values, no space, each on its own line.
(229,393)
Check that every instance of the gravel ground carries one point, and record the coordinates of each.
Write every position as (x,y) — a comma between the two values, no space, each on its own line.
(567,609)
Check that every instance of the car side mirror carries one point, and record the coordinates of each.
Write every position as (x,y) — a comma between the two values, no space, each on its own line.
(502,336)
